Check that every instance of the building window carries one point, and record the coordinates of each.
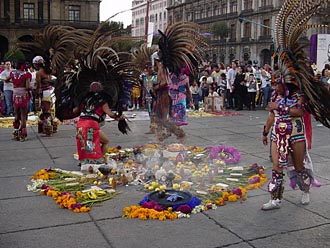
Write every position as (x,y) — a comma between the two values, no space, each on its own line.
(28,11)
(265,3)
(233,7)
(189,16)
(248,4)
(74,13)
(247,30)
(197,14)
(216,10)
(208,12)
(266,31)
(232,32)
(223,9)
(202,13)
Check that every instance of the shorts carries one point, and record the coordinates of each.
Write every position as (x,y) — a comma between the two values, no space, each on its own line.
(136,93)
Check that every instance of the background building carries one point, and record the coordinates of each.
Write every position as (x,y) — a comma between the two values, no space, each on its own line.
(245,27)
(157,16)
(20,19)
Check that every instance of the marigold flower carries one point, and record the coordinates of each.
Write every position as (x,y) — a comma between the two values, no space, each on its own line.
(225,195)
(232,198)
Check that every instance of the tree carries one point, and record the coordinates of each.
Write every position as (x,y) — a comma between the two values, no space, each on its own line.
(14,55)
(220,28)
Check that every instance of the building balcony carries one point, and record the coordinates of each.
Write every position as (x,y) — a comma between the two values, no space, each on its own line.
(266,8)
(35,23)
(214,18)
(247,11)
(246,39)
(265,38)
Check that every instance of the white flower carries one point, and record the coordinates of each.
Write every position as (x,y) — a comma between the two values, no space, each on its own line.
(35,187)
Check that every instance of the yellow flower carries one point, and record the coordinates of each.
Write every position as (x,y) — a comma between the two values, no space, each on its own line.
(225,196)
(232,198)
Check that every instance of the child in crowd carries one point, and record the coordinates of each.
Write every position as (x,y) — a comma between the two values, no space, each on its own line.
(252,88)
(223,87)
(212,92)
(194,89)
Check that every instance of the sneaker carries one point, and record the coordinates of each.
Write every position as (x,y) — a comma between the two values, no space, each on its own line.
(305,198)
(272,204)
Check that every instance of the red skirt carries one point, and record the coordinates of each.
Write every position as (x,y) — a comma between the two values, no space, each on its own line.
(21,101)
(88,139)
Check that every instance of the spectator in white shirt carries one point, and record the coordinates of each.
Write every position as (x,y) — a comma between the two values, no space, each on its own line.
(8,88)
(231,75)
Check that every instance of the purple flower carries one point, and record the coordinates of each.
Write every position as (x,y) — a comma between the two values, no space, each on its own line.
(186,209)
(229,155)
(44,186)
(64,193)
(237,191)
(76,205)
(150,204)
(158,208)
(254,180)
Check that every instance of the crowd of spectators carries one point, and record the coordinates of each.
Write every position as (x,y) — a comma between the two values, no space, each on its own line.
(241,85)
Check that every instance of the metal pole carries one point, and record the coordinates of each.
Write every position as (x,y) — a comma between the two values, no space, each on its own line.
(241,19)
(147,22)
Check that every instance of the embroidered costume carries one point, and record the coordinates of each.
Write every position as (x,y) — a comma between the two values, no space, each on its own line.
(88,128)
(178,93)
(287,129)
(296,92)
(21,97)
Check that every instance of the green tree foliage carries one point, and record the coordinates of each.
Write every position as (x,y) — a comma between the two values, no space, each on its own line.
(14,55)
(220,28)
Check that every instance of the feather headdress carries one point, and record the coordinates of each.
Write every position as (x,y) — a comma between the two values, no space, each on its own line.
(291,24)
(181,45)
(56,44)
(99,62)
(142,56)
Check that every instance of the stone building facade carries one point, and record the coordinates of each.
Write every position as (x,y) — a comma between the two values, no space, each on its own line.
(20,19)
(157,16)
(250,24)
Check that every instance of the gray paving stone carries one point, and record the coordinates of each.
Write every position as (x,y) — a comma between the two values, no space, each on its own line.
(316,237)
(83,235)
(36,212)
(29,220)
(249,222)
(196,232)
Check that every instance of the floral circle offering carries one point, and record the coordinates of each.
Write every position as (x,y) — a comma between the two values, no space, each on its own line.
(228,154)
(195,179)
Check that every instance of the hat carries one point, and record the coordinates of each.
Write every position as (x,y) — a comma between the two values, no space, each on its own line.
(38,60)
